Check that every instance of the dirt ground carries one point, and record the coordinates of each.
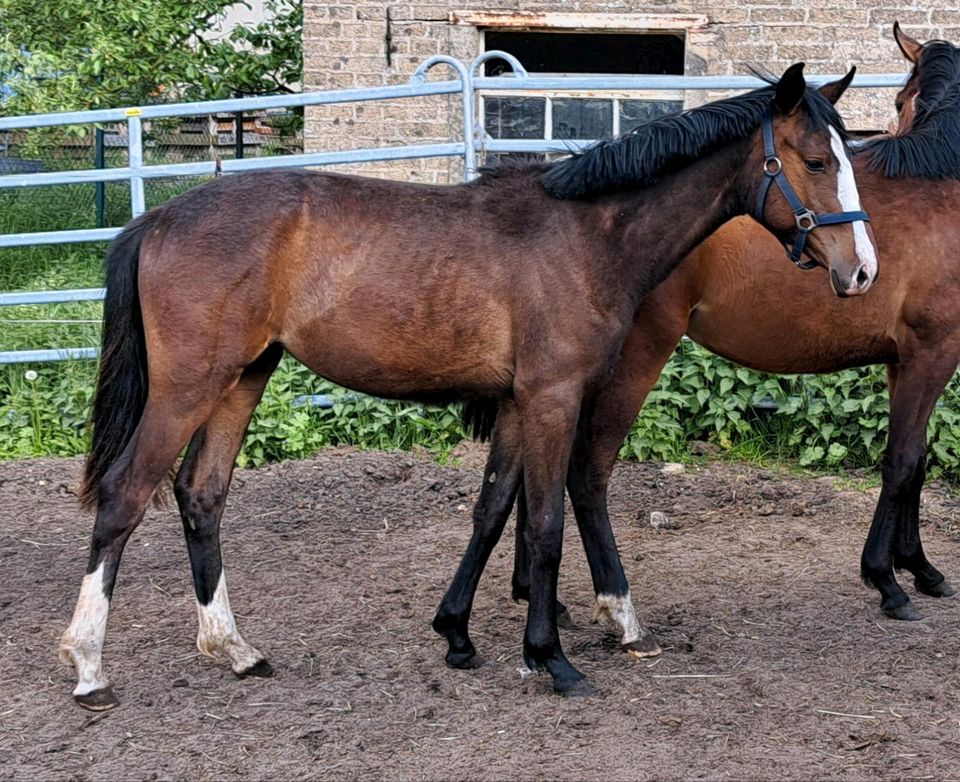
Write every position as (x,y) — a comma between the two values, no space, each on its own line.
(777,662)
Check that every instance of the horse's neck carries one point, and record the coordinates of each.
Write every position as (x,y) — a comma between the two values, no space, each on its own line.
(661,223)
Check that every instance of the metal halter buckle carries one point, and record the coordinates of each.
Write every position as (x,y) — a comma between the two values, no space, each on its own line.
(806,220)
(772,166)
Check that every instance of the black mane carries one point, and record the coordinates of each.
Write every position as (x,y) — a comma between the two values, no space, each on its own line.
(668,143)
(931,150)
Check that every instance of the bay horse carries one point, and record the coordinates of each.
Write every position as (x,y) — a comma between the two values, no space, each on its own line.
(910,182)
(518,287)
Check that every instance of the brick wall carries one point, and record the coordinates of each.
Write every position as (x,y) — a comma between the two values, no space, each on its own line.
(346,44)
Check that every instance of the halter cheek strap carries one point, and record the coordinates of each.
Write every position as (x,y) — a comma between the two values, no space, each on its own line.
(807,219)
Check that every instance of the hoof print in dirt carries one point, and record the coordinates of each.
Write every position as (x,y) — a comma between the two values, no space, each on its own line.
(259,670)
(98,700)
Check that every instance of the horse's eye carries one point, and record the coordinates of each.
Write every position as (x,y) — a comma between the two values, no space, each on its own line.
(899,105)
(816,166)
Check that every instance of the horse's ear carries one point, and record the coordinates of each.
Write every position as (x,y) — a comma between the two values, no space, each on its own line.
(834,89)
(910,47)
(790,89)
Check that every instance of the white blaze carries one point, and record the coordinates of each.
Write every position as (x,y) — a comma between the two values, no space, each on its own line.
(218,633)
(849,199)
(82,643)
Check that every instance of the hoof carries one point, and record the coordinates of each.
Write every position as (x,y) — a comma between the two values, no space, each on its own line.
(904,613)
(464,661)
(579,688)
(646,646)
(940,589)
(564,619)
(259,670)
(98,700)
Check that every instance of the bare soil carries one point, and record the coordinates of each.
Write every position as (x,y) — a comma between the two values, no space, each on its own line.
(777,662)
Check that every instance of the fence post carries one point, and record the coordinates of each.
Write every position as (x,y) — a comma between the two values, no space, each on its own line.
(101,196)
(466,101)
(238,135)
(138,203)
(238,132)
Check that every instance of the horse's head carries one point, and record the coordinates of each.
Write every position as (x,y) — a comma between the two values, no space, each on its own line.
(814,206)
(936,70)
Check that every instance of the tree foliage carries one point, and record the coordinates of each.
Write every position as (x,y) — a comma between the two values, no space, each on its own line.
(71,55)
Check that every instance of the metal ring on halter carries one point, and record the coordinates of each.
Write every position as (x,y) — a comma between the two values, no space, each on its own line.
(806,221)
(775,162)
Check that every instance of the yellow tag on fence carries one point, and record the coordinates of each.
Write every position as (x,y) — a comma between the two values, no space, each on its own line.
(133,112)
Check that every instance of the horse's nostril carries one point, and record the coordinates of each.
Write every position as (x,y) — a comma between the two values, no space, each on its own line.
(863,277)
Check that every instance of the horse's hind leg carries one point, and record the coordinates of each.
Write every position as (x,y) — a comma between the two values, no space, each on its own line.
(894,537)
(502,478)
(126,489)
(201,490)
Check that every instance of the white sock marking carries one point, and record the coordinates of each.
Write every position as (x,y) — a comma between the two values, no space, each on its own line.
(82,643)
(619,610)
(218,635)
(849,199)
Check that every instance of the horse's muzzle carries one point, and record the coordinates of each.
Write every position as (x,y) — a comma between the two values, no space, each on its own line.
(856,285)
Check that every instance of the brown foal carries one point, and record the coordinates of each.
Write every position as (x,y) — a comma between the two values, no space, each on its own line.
(364,281)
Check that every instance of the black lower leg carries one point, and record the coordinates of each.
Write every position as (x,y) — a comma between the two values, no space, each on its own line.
(876,561)
(520,582)
(541,643)
(501,481)
(200,512)
(908,550)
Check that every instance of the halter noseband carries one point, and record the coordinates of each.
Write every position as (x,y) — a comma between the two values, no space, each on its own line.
(807,219)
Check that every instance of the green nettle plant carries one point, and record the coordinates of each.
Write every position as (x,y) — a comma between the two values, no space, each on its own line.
(819,421)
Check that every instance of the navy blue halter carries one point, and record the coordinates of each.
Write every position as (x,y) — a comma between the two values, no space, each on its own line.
(807,220)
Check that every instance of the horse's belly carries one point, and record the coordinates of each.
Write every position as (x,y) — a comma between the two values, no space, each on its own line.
(777,341)
(388,358)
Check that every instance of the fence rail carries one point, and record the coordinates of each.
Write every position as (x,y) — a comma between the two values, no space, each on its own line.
(472,142)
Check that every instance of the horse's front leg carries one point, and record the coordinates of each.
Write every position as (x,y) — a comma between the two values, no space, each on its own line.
(594,453)
(501,480)
(894,537)
(549,417)
(603,425)
(520,582)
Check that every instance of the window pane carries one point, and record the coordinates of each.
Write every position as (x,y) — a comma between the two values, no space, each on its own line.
(637,112)
(587,52)
(582,118)
(514,117)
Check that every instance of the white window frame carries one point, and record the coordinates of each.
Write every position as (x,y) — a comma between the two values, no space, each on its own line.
(560,23)
(549,96)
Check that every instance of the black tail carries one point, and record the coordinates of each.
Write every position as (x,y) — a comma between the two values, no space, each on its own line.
(479,417)
(122,380)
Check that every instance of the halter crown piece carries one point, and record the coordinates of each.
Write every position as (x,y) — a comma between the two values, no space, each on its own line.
(807,219)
